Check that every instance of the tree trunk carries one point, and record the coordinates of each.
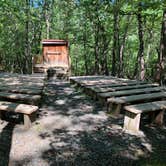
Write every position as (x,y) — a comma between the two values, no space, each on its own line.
(85,47)
(28,59)
(140,64)
(115,51)
(162,54)
(104,45)
(96,49)
(122,46)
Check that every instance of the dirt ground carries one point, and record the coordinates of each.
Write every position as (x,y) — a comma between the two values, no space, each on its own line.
(74,130)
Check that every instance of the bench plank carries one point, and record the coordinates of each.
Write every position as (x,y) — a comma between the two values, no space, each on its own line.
(22,90)
(146,107)
(123,87)
(134,98)
(20,87)
(104,96)
(113,83)
(28,99)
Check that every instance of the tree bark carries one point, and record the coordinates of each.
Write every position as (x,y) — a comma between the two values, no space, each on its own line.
(122,46)
(140,64)
(115,51)
(28,58)
(162,53)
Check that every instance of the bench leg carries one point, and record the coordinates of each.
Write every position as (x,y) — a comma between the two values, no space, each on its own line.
(131,122)
(109,107)
(28,119)
(101,100)
(114,109)
(157,117)
(0,115)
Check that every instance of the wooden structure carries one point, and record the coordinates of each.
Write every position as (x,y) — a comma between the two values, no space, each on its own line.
(55,53)
(21,94)
(133,114)
(120,94)
(29,111)
(55,57)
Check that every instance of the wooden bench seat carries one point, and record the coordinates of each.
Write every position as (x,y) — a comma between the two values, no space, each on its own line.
(113,83)
(21,90)
(133,114)
(115,104)
(28,111)
(93,91)
(26,98)
(5,86)
(129,87)
(103,96)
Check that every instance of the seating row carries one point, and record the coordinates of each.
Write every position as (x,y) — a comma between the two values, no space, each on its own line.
(131,97)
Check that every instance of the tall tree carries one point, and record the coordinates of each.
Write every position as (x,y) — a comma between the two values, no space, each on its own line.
(28,57)
(115,48)
(160,74)
(140,64)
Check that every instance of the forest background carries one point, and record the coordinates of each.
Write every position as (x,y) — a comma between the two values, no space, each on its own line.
(124,38)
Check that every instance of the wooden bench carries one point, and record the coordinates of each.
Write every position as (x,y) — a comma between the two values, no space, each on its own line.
(115,104)
(29,111)
(93,91)
(133,114)
(104,96)
(26,98)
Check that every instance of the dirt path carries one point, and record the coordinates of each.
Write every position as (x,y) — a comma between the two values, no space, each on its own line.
(72,129)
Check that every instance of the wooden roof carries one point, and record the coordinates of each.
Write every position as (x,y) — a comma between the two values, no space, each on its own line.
(54,42)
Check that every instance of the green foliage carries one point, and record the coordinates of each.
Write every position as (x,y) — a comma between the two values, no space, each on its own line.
(86,24)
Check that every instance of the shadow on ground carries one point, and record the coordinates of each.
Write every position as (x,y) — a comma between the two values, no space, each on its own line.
(89,138)
(72,129)
(5,143)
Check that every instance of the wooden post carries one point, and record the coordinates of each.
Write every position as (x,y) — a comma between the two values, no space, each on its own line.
(28,119)
(114,109)
(109,107)
(132,121)
(102,100)
(158,119)
(0,115)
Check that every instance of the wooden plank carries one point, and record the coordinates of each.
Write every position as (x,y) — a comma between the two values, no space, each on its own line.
(22,90)
(18,108)
(105,83)
(96,77)
(123,87)
(134,98)
(17,83)
(130,92)
(26,98)
(116,84)
(146,107)
(2,87)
